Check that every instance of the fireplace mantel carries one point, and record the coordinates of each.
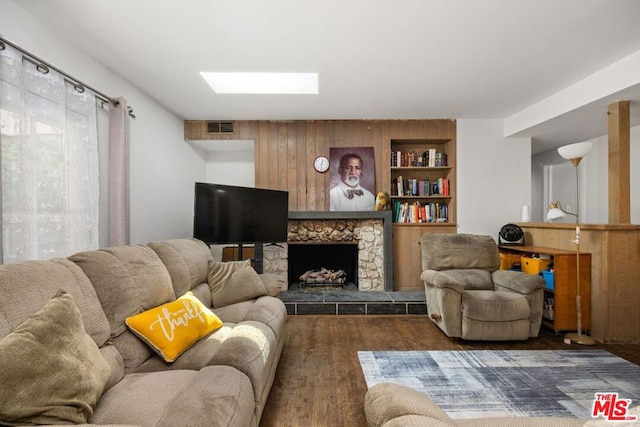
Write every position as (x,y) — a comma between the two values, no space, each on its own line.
(384,216)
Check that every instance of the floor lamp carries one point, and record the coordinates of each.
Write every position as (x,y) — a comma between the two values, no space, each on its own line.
(575,153)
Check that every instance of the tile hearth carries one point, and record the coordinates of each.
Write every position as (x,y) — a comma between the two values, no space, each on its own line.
(354,302)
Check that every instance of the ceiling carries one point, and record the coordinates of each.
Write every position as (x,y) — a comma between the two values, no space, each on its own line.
(376,59)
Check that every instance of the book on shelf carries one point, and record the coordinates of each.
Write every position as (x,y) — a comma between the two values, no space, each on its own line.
(414,187)
(429,158)
(443,187)
(423,187)
(432,157)
(440,187)
(416,212)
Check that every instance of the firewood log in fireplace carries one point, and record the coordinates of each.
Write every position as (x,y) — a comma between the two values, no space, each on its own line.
(323,276)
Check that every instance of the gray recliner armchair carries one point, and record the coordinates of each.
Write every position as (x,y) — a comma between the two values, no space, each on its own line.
(468,296)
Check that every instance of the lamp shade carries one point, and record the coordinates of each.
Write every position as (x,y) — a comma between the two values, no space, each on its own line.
(555,213)
(575,151)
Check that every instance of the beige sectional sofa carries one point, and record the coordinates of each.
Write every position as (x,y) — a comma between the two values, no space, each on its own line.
(224,379)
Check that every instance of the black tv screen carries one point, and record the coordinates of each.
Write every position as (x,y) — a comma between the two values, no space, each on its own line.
(230,214)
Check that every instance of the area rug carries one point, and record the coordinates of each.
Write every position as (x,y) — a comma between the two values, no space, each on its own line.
(493,383)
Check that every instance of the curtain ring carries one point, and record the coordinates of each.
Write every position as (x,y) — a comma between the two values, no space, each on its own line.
(2,46)
(79,88)
(42,68)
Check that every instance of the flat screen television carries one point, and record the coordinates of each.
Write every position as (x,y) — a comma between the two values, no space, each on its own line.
(230,214)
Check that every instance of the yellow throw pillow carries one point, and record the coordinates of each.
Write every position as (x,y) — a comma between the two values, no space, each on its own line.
(172,328)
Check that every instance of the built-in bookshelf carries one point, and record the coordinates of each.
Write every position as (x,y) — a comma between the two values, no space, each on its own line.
(423,195)
(422,178)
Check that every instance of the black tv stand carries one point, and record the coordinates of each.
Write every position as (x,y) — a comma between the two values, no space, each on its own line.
(258,254)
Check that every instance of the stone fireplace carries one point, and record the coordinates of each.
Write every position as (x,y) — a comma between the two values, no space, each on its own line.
(357,242)
(312,264)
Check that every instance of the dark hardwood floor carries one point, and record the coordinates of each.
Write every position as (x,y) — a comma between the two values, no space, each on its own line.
(319,381)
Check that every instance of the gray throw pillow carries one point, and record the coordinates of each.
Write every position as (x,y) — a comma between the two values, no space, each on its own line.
(51,371)
(233,281)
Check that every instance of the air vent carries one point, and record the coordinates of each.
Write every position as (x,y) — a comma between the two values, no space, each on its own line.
(219,127)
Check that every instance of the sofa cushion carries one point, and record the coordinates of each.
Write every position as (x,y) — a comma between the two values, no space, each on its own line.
(213,396)
(233,281)
(493,306)
(51,372)
(265,309)
(27,286)
(252,349)
(186,260)
(172,328)
(459,251)
(196,357)
(127,280)
(203,293)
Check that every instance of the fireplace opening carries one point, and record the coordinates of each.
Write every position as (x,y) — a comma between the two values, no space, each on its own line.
(321,266)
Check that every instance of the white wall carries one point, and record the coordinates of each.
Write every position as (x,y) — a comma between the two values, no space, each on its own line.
(231,168)
(494,176)
(559,187)
(163,166)
(594,185)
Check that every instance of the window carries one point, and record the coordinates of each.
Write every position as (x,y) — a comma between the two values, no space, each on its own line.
(49,162)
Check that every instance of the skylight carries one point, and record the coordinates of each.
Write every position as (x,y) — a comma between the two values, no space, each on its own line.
(263,83)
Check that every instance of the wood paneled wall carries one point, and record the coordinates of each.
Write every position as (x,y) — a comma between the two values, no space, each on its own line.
(285,150)
(615,273)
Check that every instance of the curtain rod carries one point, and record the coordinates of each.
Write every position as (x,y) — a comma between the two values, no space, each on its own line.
(44,63)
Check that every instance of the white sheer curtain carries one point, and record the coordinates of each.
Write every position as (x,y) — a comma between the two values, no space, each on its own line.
(49,149)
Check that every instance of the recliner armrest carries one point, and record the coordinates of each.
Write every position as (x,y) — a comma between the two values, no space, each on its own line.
(441,279)
(517,281)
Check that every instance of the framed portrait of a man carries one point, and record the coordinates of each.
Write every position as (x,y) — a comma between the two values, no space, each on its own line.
(352,179)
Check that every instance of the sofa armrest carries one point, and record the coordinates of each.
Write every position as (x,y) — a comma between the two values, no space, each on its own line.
(440,279)
(517,281)
(387,401)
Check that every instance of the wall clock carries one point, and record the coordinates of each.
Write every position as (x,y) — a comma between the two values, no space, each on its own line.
(321,164)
